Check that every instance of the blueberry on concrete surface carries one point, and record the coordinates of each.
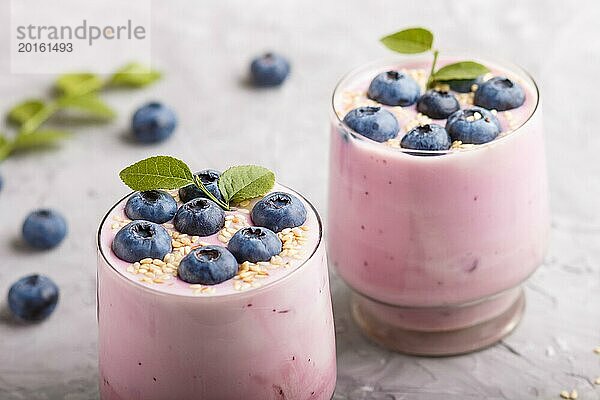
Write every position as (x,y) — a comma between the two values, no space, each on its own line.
(44,229)
(153,122)
(33,298)
(269,70)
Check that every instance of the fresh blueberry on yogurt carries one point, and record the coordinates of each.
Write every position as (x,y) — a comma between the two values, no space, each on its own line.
(499,93)
(254,244)
(474,125)
(199,217)
(278,211)
(426,137)
(394,88)
(154,205)
(376,123)
(153,122)
(44,229)
(33,298)
(141,239)
(269,70)
(209,178)
(208,265)
(437,104)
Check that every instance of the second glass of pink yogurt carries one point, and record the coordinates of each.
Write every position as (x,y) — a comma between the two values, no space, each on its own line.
(436,244)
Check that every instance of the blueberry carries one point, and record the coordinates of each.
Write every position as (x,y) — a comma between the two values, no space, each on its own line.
(154,205)
(33,297)
(254,244)
(426,137)
(208,265)
(153,122)
(474,125)
(375,123)
(394,88)
(199,217)
(278,211)
(44,229)
(141,239)
(499,93)
(209,178)
(437,104)
(270,69)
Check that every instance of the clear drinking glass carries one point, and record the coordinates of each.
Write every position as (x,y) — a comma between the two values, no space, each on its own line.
(273,342)
(435,246)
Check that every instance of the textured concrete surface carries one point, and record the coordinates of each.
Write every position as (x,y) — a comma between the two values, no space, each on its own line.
(204,48)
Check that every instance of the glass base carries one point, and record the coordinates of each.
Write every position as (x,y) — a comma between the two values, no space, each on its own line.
(439,331)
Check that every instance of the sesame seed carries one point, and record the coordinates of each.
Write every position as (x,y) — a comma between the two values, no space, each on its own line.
(597,350)
(574,394)
(146,261)
(565,395)
(597,381)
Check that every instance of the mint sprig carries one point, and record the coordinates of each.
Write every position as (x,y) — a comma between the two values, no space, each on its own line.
(420,40)
(236,184)
(77,93)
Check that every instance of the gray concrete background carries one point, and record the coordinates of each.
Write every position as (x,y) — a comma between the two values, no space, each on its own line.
(203,47)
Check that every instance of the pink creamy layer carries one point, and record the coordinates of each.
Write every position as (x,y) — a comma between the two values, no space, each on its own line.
(275,342)
(439,230)
(177,286)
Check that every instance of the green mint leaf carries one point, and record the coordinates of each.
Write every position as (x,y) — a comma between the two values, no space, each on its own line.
(134,75)
(409,41)
(159,172)
(460,71)
(78,84)
(245,182)
(5,147)
(37,119)
(24,111)
(39,138)
(89,103)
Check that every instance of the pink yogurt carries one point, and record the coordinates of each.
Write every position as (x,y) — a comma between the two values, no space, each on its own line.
(166,341)
(422,235)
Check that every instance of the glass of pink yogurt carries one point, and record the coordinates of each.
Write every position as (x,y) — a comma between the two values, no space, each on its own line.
(267,333)
(435,245)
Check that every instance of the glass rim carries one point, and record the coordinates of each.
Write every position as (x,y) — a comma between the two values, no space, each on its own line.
(353,135)
(244,293)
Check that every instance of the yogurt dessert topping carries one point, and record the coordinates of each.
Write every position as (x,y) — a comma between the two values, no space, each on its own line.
(413,106)
(179,241)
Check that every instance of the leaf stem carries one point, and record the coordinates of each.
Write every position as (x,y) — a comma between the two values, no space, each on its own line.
(203,188)
(430,80)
